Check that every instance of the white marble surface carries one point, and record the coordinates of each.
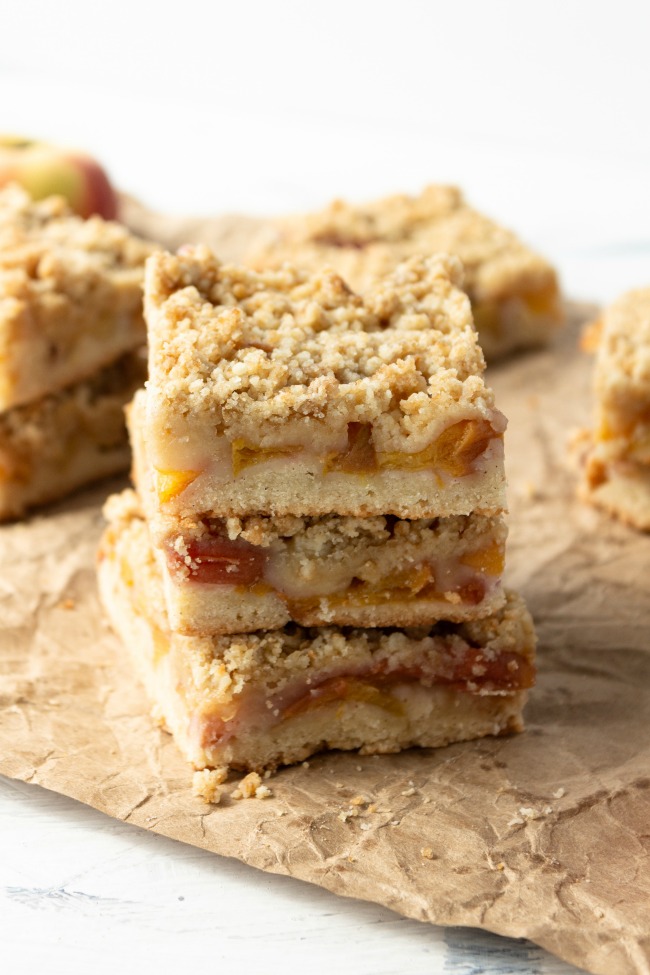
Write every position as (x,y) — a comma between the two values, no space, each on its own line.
(539,112)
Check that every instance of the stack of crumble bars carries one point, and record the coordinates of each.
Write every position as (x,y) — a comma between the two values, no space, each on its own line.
(71,328)
(618,457)
(313,555)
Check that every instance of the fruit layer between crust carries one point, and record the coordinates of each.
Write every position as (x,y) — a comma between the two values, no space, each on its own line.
(461,473)
(235,575)
(70,296)
(254,701)
(67,439)
(514,292)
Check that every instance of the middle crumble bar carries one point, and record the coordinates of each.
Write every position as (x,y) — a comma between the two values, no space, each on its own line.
(237,575)
(286,393)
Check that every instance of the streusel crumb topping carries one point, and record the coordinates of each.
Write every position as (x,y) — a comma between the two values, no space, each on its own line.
(367,240)
(45,249)
(283,343)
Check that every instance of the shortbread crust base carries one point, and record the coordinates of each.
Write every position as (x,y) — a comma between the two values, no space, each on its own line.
(71,296)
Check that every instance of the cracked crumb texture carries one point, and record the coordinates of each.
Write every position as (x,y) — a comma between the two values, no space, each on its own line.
(363,242)
(47,230)
(283,344)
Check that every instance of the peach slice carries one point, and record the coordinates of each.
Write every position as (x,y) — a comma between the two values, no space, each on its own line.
(169,484)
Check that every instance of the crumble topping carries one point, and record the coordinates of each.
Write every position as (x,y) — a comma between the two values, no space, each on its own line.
(366,241)
(322,535)
(247,347)
(46,249)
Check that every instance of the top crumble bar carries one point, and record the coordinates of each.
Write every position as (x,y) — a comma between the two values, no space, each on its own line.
(70,295)
(259,381)
(514,292)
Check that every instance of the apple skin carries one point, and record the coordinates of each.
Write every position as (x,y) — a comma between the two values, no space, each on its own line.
(44,170)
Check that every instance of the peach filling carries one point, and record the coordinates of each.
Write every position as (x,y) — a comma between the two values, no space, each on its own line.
(418,584)
(215,560)
(169,483)
(465,668)
(243,455)
(453,452)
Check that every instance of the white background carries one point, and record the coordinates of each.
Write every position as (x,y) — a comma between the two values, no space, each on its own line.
(538,110)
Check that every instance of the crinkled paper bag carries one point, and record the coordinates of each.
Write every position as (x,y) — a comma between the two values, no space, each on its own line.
(544,835)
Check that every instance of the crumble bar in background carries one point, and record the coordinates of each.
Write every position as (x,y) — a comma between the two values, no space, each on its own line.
(71,338)
(284,392)
(67,439)
(70,295)
(514,292)
(617,464)
(255,701)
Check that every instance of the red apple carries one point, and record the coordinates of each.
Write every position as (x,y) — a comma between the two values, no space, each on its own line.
(43,170)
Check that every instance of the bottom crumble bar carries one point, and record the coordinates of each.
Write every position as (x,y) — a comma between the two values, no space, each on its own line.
(67,439)
(256,701)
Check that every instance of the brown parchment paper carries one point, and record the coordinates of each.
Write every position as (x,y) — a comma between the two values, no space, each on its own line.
(544,835)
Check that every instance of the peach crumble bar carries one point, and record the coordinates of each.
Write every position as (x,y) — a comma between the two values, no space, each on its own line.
(70,296)
(240,574)
(67,439)
(618,462)
(284,392)
(256,701)
(514,292)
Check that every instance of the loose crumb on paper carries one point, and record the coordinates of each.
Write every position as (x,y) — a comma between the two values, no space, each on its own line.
(206,784)
(528,813)
(251,787)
